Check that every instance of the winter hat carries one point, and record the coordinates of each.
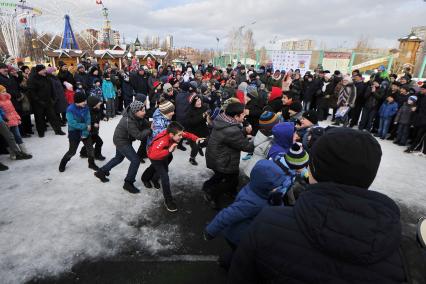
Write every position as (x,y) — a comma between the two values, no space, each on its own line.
(166,87)
(235,108)
(192,86)
(156,84)
(185,86)
(346,156)
(68,86)
(275,93)
(173,81)
(92,101)
(50,70)
(268,120)
(243,87)
(80,66)
(79,97)
(252,92)
(347,78)
(39,67)
(311,115)
(61,63)
(166,107)
(203,88)
(381,68)
(297,157)
(2,89)
(296,106)
(193,97)
(136,106)
(413,99)
(217,85)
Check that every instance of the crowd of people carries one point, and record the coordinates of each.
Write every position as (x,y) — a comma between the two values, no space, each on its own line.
(308,184)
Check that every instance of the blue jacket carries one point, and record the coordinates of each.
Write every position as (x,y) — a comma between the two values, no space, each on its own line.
(108,90)
(2,114)
(283,139)
(234,220)
(97,92)
(159,123)
(387,110)
(78,120)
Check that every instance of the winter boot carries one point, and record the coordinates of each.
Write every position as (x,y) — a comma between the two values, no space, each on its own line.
(170,205)
(181,147)
(59,132)
(147,184)
(130,187)
(193,161)
(83,153)
(156,184)
(63,164)
(23,156)
(200,151)
(99,157)
(98,153)
(3,167)
(92,164)
(101,175)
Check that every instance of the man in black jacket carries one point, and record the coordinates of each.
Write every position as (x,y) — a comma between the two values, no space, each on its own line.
(139,82)
(337,232)
(41,96)
(223,152)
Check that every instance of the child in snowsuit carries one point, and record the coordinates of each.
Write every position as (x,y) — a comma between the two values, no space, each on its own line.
(94,105)
(283,139)
(12,118)
(96,91)
(132,126)
(386,112)
(160,154)
(79,126)
(403,119)
(108,93)
(233,221)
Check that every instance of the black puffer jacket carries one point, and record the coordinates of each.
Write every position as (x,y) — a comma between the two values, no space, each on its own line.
(225,145)
(40,90)
(130,128)
(196,122)
(334,234)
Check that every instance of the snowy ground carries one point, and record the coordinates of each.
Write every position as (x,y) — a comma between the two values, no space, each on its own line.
(50,221)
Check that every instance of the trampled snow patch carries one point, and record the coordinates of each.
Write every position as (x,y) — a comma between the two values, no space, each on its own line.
(49,221)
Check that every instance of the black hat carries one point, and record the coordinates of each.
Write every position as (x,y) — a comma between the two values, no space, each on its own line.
(61,63)
(234,109)
(39,67)
(296,106)
(346,156)
(92,101)
(311,115)
(79,97)
(203,88)
(3,66)
(185,86)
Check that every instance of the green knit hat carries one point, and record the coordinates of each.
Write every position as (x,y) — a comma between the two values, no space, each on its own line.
(297,157)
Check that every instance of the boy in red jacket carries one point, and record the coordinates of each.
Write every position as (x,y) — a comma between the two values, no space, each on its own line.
(160,153)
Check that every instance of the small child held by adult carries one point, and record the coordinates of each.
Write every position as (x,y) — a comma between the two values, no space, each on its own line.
(79,127)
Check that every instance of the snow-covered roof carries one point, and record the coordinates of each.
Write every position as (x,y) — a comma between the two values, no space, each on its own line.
(112,52)
(155,52)
(65,53)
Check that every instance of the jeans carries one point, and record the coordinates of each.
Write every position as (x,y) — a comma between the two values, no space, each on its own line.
(122,152)
(403,132)
(110,108)
(384,127)
(221,183)
(151,174)
(306,106)
(16,134)
(161,168)
(97,142)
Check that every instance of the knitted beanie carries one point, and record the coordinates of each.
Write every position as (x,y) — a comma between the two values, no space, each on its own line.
(166,107)
(297,157)
(166,87)
(136,106)
(39,67)
(79,97)
(268,120)
(413,98)
(296,106)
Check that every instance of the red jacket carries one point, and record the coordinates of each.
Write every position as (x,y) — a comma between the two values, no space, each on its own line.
(159,148)
(12,116)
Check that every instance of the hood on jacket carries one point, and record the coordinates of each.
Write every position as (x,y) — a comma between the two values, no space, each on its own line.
(222,122)
(264,177)
(5,97)
(350,223)
(283,134)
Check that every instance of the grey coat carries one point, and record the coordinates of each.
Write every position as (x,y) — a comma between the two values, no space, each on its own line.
(130,128)
(225,145)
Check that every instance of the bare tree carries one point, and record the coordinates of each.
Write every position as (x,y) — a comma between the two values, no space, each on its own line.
(146,43)
(249,44)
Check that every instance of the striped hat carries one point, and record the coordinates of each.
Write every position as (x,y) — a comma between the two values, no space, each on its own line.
(268,120)
(166,107)
(297,157)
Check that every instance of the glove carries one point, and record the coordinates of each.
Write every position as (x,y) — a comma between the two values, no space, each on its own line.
(207,236)
(275,198)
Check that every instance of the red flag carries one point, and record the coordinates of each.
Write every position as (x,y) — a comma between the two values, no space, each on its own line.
(99,2)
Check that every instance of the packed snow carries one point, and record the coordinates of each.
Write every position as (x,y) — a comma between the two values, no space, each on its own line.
(50,221)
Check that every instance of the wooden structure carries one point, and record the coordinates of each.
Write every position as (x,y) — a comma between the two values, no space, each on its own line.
(71,57)
(408,47)
(151,58)
(112,56)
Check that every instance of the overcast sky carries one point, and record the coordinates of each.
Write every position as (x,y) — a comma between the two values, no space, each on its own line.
(193,23)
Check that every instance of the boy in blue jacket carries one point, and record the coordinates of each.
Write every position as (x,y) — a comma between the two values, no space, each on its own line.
(79,126)
(265,178)
(386,112)
(108,93)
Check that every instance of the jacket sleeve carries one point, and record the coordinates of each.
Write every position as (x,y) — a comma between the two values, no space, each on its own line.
(88,118)
(190,136)
(381,109)
(394,109)
(243,267)
(235,213)
(398,115)
(74,124)
(353,97)
(239,142)
(135,132)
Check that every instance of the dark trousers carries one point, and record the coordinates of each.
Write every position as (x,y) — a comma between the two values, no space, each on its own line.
(368,115)
(142,150)
(355,115)
(73,146)
(128,99)
(42,112)
(403,133)
(110,108)
(221,183)
(25,126)
(194,148)
(97,142)
(419,140)
(129,153)
(159,169)
(322,113)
